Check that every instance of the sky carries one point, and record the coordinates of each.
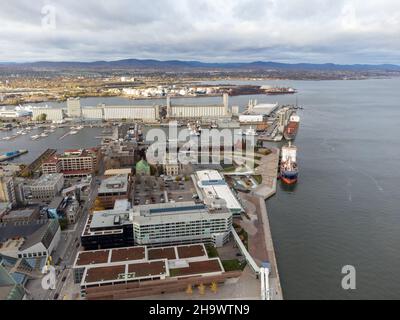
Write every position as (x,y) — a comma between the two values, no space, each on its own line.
(292,31)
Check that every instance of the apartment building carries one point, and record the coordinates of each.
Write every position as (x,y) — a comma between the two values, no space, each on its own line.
(7,191)
(73,163)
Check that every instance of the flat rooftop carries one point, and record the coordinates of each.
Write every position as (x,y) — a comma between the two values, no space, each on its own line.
(47,179)
(191,251)
(162,253)
(139,254)
(96,257)
(85,258)
(128,254)
(214,187)
(170,208)
(126,271)
(198,267)
(108,219)
(115,172)
(137,263)
(20,214)
(114,184)
(264,108)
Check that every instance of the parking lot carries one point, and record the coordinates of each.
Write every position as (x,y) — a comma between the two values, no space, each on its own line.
(151,190)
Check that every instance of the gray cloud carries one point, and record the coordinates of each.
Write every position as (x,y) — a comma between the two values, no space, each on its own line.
(341,31)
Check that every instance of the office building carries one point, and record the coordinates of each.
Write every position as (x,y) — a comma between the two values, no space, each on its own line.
(215,192)
(157,225)
(112,189)
(108,229)
(44,188)
(180,223)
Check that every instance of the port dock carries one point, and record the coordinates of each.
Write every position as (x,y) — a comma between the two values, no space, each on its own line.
(256,222)
(12,155)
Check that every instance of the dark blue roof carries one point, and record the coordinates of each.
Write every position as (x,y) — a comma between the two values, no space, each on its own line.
(178,209)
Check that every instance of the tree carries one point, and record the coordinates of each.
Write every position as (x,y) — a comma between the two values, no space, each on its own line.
(41,117)
(214,287)
(98,205)
(189,289)
(202,289)
(63,223)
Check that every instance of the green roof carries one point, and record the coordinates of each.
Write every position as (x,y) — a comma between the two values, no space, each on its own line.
(142,166)
(9,289)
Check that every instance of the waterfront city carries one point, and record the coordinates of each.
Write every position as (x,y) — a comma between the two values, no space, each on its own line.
(180,176)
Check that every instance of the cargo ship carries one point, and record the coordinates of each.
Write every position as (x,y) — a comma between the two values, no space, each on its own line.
(289,170)
(12,155)
(292,128)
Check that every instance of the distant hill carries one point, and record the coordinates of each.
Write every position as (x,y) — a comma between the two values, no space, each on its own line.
(177,64)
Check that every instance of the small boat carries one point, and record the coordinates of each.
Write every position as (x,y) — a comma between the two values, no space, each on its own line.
(73,132)
(35,137)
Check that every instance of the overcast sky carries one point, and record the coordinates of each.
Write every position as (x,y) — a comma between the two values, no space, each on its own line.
(339,31)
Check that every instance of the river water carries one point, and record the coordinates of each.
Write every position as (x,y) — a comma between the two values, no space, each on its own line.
(345,208)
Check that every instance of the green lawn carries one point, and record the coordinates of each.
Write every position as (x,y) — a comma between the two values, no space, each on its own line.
(211,251)
(233,265)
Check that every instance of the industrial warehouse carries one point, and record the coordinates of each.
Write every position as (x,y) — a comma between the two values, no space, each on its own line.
(146,114)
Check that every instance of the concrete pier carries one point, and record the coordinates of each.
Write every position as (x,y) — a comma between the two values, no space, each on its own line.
(257,225)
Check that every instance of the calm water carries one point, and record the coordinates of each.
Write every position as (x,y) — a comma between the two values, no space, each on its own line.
(345,208)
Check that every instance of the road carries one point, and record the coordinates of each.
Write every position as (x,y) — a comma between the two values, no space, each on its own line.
(72,246)
(65,253)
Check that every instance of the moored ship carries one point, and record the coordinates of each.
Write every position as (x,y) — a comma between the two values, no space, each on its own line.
(289,170)
(292,128)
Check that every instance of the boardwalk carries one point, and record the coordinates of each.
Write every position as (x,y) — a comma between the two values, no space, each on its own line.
(261,245)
